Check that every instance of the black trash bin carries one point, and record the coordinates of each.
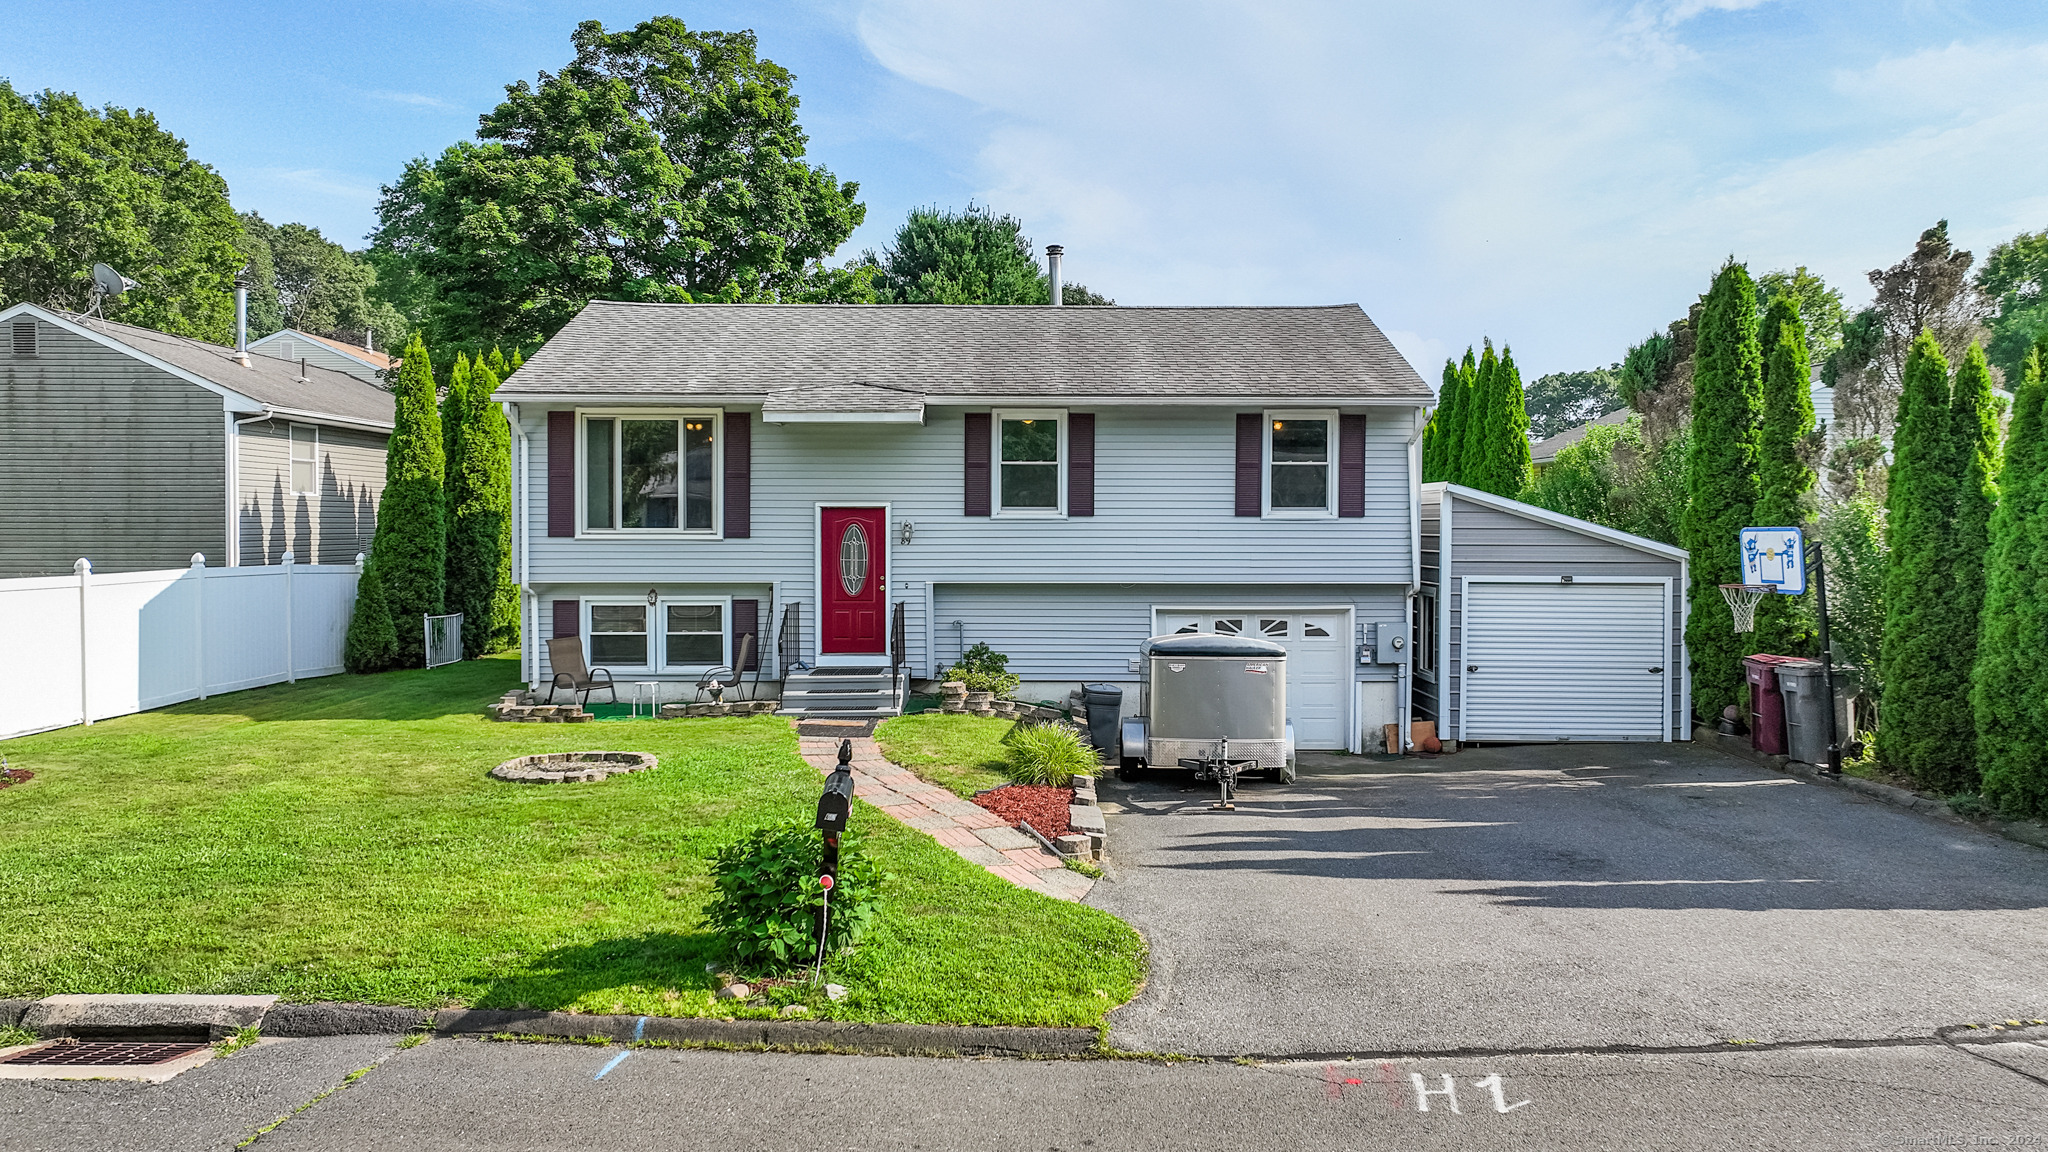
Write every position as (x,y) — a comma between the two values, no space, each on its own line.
(1105,705)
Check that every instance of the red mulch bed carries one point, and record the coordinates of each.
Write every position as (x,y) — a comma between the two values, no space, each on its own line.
(1044,806)
(13,776)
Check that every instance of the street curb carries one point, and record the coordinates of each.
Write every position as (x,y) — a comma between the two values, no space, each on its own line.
(11,1012)
(2020,832)
(898,1039)
(300,1021)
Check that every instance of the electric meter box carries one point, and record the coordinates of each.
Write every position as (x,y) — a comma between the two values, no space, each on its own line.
(1390,642)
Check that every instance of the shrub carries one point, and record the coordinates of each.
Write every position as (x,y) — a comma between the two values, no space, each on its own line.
(982,669)
(768,895)
(372,642)
(1048,754)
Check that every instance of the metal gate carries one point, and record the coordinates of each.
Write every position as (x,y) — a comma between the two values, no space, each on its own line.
(444,639)
(1552,661)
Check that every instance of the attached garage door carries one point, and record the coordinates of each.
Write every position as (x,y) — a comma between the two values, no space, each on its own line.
(1318,662)
(1578,661)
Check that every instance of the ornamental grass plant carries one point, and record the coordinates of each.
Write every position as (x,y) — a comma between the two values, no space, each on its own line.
(1051,754)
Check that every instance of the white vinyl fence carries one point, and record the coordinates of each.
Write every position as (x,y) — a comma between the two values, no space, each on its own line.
(83,647)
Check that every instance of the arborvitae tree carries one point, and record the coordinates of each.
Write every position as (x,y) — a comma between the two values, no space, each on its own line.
(497,363)
(1975,432)
(517,360)
(1472,421)
(1439,434)
(480,521)
(1457,406)
(2011,669)
(454,402)
(411,545)
(1502,466)
(1785,624)
(1727,400)
(372,645)
(1924,717)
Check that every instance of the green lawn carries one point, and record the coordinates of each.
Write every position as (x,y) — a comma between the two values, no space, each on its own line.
(339,840)
(963,753)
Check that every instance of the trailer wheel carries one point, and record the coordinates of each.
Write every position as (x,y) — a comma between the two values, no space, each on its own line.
(1130,768)
(1282,773)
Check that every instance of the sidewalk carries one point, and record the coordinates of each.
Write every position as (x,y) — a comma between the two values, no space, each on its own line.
(978,835)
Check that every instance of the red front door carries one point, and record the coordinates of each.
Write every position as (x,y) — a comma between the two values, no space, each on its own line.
(855,596)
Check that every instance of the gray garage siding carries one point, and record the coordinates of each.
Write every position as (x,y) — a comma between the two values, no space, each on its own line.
(1486,541)
(330,528)
(105,457)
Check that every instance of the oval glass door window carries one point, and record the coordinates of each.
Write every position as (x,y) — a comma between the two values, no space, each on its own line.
(853,560)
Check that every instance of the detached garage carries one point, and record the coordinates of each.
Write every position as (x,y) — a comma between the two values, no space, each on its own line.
(1533,626)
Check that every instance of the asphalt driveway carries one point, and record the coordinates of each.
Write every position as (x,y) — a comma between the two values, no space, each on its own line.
(1561,898)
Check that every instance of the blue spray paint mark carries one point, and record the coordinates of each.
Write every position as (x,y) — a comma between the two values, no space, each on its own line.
(639,1030)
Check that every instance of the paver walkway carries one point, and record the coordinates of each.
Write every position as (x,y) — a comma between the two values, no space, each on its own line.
(978,835)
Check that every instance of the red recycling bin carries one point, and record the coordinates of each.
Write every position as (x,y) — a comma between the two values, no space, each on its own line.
(1766,706)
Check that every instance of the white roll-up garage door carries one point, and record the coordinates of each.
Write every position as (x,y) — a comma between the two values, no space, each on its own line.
(1318,661)
(1581,661)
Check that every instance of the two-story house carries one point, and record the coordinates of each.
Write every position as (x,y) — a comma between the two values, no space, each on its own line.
(1060,483)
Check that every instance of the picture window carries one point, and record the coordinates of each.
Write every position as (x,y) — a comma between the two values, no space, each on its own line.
(649,473)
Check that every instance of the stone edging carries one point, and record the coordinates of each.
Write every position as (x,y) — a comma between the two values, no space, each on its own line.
(575,767)
(2024,832)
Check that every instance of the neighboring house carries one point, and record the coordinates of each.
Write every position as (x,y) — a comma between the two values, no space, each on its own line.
(135,449)
(1543,453)
(292,344)
(1060,483)
(1536,626)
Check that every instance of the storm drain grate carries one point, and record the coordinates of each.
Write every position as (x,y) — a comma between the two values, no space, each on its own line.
(103,1053)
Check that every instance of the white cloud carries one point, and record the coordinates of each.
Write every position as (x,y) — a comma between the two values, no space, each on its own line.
(416,99)
(1525,170)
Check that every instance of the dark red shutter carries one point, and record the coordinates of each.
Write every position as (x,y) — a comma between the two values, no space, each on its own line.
(977,471)
(1081,464)
(1251,452)
(562,477)
(739,476)
(1351,466)
(746,621)
(568,617)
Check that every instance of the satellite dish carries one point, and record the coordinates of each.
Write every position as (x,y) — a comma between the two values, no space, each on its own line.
(110,282)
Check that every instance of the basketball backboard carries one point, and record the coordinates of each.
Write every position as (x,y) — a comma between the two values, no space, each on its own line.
(1776,557)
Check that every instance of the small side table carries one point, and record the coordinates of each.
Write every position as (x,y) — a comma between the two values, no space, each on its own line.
(652,690)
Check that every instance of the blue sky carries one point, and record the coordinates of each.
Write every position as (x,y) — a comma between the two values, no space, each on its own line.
(1562,175)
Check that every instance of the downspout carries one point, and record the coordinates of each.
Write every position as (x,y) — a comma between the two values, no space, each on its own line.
(1405,693)
(529,615)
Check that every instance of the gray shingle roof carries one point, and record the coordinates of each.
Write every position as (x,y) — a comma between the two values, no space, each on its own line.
(943,351)
(267,380)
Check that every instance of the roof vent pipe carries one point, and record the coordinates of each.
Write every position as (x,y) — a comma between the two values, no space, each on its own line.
(242,316)
(1053,252)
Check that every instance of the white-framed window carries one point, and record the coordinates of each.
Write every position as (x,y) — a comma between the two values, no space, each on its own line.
(681,635)
(693,634)
(1301,464)
(617,632)
(305,440)
(1030,456)
(652,471)
(1424,633)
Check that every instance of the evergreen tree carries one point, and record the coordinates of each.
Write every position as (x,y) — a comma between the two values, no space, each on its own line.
(1439,435)
(497,363)
(372,644)
(1727,400)
(1502,466)
(2011,669)
(516,361)
(454,402)
(1975,433)
(1472,421)
(1785,624)
(1456,403)
(1923,718)
(410,549)
(480,522)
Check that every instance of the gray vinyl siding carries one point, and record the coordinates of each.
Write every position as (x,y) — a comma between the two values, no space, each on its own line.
(315,353)
(1484,541)
(1427,702)
(105,457)
(328,528)
(1163,500)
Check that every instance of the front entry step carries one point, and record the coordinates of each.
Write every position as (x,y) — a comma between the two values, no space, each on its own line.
(842,693)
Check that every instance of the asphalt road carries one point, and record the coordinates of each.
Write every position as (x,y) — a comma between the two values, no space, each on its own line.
(505,1097)
(1561,897)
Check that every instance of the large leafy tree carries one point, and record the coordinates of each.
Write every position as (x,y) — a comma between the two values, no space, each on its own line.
(1564,400)
(1922,733)
(1928,291)
(1785,480)
(659,164)
(410,549)
(2015,275)
(305,281)
(1618,477)
(1820,307)
(940,256)
(2009,678)
(1727,401)
(81,185)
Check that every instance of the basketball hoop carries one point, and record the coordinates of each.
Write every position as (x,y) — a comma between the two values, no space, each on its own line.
(1742,601)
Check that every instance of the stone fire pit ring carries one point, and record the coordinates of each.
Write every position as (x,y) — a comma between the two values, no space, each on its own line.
(572,767)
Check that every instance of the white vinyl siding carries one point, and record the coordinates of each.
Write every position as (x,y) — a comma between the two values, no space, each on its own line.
(1579,661)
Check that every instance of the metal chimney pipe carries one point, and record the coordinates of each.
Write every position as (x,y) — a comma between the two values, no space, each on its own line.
(242,318)
(1053,252)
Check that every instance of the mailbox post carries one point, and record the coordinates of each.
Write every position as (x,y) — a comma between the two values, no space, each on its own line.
(835,805)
